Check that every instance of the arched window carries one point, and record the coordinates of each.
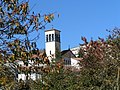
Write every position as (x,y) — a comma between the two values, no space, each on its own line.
(49,37)
(52,37)
(58,38)
(46,38)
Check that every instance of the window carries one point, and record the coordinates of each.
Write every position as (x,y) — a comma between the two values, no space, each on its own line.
(56,37)
(50,52)
(52,37)
(49,37)
(46,38)
(67,61)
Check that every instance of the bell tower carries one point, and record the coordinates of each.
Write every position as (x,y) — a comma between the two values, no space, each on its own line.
(52,42)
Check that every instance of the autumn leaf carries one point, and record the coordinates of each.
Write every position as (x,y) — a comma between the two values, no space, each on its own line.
(3,80)
(17,24)
(46,18)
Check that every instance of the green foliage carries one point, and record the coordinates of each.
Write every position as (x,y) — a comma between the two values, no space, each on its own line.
(7,77)
(58,54)
(100,66)
(62,80)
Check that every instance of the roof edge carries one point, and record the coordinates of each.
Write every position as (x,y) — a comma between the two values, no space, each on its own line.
(52,30)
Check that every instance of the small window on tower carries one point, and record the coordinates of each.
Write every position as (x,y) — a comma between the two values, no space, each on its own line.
(50,52)
(52,37)
(49,37)
(46,38)
(58,38)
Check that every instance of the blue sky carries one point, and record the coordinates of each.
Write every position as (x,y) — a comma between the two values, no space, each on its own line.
(89,18)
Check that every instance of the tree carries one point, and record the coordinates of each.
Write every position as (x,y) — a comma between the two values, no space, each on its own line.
(17,23)
(58,54)
(80,53)
(101,64)
(59,78)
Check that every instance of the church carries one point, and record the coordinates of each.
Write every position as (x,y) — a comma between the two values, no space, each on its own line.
(53,45)
(52,42)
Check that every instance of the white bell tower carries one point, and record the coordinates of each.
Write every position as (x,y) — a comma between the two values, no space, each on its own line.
(52,42)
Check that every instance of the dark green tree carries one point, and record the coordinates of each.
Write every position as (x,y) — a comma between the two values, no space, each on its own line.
(58,54)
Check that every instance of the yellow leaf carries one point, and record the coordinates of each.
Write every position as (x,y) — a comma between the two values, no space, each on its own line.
(3,80)
(17,24)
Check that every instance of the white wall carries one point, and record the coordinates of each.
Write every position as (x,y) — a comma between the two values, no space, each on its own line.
(32,76)
(51,46)
(75,63)
(21,76)
(75,50)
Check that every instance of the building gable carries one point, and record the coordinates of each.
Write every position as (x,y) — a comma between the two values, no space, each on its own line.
(67,53)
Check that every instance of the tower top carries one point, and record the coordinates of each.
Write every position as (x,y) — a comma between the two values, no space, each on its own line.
(52,42)
(52,30)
